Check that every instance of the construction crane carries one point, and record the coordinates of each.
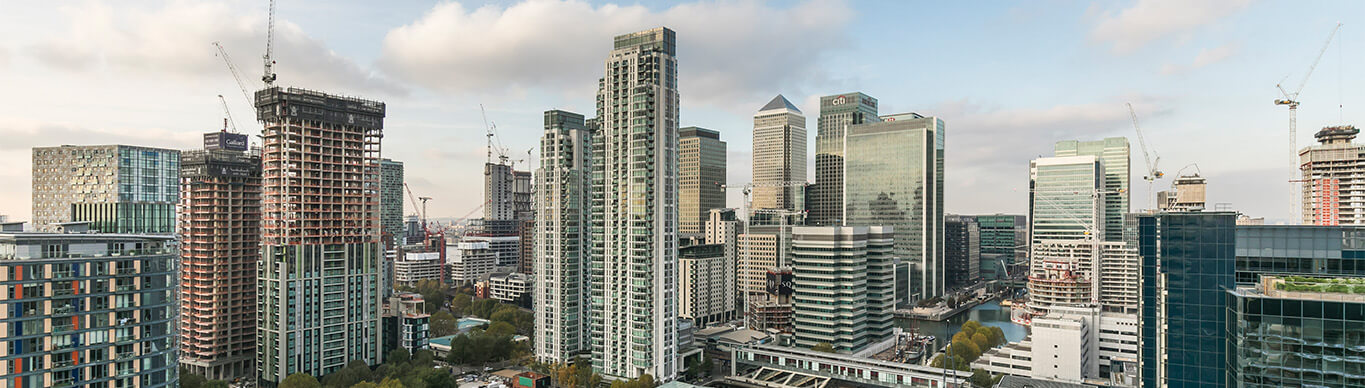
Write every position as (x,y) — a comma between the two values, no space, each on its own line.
(235,74)
(1091,232)
(1152,159)
(227,116)
(269,61)
(422,214)
(748,219)
(1291,99)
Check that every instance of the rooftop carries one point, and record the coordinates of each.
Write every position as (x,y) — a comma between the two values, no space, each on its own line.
(779,103)
(1310,288)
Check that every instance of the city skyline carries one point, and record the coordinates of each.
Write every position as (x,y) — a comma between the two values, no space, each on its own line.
(1222,60)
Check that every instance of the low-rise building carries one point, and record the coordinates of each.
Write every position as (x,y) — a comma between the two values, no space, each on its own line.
(706,295)
(1297,331)
(406,323)
(414,267)
(470,261)
(510,287)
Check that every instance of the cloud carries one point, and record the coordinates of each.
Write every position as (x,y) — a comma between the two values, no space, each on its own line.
(726,50)
(174,41)
(1204,58)
(22,135)
(1149,20)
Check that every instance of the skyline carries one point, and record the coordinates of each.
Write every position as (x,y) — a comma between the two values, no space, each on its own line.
(1038,79)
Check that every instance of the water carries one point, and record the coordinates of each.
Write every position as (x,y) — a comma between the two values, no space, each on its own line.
(989,314)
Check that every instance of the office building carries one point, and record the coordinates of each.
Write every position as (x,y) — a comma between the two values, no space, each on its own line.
(406,323)
(772,311)
(760,250)
(1186,194)
(220,243)
(635,209)
(506,192)
(894,177)
(1066,199)
(1296,332)
(563,240)
(414,267)
(779,150)
(962,251)
(1187,268)
(391,197)
(1113,153)
(506,248)
(321,248)
(526,236)
(118,188)
(88,309)
(1299,250)
(1004,245)
(1333,187)
(701,178)
(510,287)
(722,227)
(470,261)
(1075,343)
(705,294)
(837,114)
(844,285)
(522,192)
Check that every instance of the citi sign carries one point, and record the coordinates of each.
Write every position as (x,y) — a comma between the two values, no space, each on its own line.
(845,99)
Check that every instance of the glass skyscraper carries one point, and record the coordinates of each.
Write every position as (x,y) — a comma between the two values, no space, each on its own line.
(893,176)
(1187,268)
(1297,332)
(1299,250)
(562,243)
(837,113)
(1114,154)
(118,188)
(701,178)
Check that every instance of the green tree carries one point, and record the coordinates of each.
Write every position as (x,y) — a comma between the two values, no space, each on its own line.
(423,358)
(191,380)
(217,384)
(981,378)
(355,372)
(966,350)
(823,347)
(398,356)
(390,383)
(300,380)
(997,336)
(439,378)
(442,324)
(365,384)
(433,293)
(500,329)
(981,340)
(460,303)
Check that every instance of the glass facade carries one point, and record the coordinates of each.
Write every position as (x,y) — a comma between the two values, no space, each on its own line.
(121,188)
(1187,267)
(125,217)
(894,177)
(1113,152)
(1304,340)
(1003,239)
(837,114)
(1299,250)
(1062,203)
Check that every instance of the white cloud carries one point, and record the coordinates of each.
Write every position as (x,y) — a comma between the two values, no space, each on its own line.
(1149,20)
(174,41)
(727,51)
(1204,58)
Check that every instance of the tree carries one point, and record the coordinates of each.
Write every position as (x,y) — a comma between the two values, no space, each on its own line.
(355,372)
(398,356)
(191,380)
(365,384)
(595,380)
(981,378)
(981,341)
(460,303)
(997,336)
(300,380)
(423,358)
(500,329)
(823,347)
(442,324)
(439,378)
(966,350)
(390,382)
(566,375)
(217,384)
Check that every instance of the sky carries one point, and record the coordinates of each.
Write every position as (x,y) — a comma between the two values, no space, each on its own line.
(1008,78)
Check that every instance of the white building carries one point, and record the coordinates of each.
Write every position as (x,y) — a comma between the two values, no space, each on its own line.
(562,245)
(508,248)
(417,266)
(1074,344)
(508,286)
(722,227)
(706,295)
(1063,273)
(1062,348)
(470,261)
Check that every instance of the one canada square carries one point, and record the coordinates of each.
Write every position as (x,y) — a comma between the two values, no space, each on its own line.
(635,209)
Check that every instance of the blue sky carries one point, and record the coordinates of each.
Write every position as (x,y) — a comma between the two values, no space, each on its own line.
(1008,78)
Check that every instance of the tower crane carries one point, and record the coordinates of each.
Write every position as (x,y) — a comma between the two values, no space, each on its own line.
(235,74)
(269,61)
(422,214)
(1291,99)
(748,218)
(1153,173)
(227,116)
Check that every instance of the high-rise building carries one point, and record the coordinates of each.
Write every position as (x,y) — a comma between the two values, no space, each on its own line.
(1299,250)
(837,113)
(760,248)
(893,176)
(635,209)
(88,309)
(705,293)
(320,293)
(498,194)
(220,243)
(701,178)
(1067,272)
(779,156)
(1333,187)
(391,197)
(1113,153)
(1186,194)
(722,227)
(118,188)
(414,267)
(1004,245)
(844,285)
(1066,199)
(522,190)
(962,251)
(563,200)
(1296,332)
(526,232)
(1187,269)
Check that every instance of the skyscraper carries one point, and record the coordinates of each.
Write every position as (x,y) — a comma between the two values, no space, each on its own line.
(391,197)
(705,289)
(962,251)
(837,113)
(779,156)
(118,188)
(1004,245)
(1113,154)
(893,176)
(220,243)
(1187,269)
(499,183)
(701,178)
(1331,178)
(320,234)
(635,202)
(563,201)
(1066,198)
(844,285)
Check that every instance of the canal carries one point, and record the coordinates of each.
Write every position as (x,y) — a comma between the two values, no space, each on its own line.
(989,314)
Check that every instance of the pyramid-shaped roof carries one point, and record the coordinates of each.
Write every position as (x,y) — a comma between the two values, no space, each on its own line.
(779,102)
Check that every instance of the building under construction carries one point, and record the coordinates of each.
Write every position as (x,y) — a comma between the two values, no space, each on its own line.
(220,236)
(1186,194)
(1333,177)
(320,234)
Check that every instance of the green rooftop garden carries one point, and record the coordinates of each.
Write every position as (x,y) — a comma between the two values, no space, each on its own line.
(1333,285)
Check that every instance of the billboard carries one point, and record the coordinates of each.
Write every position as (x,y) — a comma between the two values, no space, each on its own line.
(780,281)
(225,141)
